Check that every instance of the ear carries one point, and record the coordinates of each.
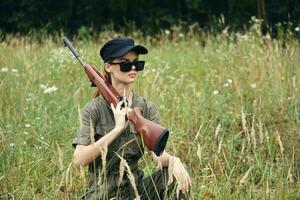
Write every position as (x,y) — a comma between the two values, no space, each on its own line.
(107,67)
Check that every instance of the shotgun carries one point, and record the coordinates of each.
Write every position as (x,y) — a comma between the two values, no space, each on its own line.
(153,135)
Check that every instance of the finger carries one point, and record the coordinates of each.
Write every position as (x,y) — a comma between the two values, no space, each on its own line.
(179,184)
(119,105)
(113,108)
(184,188)
(186,183)
(184,173)
(187,178)
(190,181)
(124,111)
(124,98)
(179,181)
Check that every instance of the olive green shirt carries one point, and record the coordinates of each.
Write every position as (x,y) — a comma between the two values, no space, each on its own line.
(97,120)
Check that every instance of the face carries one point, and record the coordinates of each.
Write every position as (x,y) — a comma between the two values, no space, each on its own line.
(117,75)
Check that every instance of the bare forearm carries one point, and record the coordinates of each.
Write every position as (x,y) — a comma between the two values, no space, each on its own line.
(83,155)
(164,159)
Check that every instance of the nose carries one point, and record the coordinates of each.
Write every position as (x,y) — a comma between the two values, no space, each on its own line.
(133,67)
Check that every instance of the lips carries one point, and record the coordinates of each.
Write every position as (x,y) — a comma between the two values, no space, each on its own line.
(132,75)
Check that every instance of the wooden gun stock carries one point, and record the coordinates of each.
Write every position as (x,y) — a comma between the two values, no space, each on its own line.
(155,137)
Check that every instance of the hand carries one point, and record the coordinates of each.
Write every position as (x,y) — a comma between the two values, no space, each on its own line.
(119,115)
(177,171)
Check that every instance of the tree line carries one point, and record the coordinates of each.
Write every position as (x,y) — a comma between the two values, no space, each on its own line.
(24,16)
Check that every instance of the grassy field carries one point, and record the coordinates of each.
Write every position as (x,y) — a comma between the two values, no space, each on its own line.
(231,102)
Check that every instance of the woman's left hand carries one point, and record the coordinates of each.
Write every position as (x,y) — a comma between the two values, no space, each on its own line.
(178,171)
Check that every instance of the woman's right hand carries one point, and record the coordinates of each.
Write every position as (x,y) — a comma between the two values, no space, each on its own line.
(119,115)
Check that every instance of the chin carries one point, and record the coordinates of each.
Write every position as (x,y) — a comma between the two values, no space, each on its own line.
(129,81)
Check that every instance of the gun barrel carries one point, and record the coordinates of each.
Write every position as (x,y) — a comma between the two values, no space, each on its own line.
(73,50)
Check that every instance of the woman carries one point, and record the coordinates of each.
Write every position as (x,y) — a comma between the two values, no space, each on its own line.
(106,138)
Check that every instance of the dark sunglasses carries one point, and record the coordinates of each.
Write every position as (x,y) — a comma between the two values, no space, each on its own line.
(126,66)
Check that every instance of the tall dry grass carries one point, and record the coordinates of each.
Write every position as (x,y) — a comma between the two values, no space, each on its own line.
(231,102)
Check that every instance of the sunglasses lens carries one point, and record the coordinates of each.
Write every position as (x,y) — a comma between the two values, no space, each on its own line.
(125,66)
(139,65)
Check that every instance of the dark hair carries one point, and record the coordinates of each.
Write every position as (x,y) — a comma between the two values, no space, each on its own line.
(106,74)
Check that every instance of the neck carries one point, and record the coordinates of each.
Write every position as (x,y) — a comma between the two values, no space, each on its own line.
(120,89)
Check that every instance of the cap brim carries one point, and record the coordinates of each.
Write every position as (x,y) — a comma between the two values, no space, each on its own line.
(139,49)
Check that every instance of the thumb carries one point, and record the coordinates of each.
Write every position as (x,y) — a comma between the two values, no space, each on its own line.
(112,107)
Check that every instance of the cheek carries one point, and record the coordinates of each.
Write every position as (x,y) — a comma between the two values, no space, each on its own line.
(115,71)
(118,74)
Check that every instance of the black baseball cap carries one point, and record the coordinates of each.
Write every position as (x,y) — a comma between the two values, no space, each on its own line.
(119,47)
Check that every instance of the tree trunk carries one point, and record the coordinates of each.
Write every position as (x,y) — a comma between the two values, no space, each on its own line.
(261,8)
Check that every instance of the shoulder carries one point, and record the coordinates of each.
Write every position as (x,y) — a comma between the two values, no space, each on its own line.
(95,103)
(94,107)
(143,103)
(148,108)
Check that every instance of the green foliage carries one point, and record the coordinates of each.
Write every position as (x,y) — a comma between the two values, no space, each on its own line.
(231,102)
(151,16)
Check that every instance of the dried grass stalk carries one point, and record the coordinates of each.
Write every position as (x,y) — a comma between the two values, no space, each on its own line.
(217,131)
(199,152)
(253,138)
(121,171)
(79,115)
(244,123)
(130,177)
(60,157)
(245,177)
(279,142)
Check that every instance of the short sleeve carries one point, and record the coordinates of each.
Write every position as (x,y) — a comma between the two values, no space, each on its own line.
(153,113)
(87,125)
